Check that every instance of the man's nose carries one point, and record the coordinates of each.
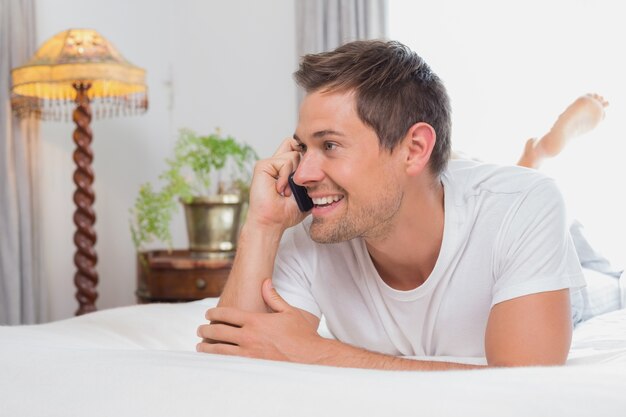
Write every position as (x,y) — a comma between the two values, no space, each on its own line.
(309,170)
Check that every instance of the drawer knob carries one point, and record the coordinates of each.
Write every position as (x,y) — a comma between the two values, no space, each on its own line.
(200,283)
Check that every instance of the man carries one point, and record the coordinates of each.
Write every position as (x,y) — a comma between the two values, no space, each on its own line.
(403,254)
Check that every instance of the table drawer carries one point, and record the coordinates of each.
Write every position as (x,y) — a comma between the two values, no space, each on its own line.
(172,278)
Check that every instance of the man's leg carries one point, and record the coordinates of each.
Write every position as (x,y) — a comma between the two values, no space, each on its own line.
(583,115)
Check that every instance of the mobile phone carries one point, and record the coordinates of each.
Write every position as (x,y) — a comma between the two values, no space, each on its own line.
(302,197)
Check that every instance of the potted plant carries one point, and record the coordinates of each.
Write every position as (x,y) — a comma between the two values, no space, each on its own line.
(210,176)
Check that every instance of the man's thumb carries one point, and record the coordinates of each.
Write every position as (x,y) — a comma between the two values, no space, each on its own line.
(272,298)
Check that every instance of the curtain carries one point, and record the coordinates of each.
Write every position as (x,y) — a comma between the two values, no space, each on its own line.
(323,25)
(21,292)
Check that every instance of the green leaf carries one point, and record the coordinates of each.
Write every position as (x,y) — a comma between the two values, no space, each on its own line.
(196,162)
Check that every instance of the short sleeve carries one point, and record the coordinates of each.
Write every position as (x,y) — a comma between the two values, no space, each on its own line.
(534,251)
(293,269)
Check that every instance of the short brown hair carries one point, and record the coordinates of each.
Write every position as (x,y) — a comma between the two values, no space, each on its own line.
(394,89)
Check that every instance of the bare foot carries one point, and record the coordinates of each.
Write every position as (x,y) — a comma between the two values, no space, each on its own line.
(580,117)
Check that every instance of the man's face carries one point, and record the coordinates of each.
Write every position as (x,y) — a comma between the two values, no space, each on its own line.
(355,184)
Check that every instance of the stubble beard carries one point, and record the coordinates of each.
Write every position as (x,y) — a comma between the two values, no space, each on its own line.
(373,221)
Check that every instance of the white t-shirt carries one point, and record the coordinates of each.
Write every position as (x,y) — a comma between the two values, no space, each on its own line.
(505,236)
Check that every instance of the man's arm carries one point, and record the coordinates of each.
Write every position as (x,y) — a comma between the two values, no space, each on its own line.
(534,329)
(290,334)
(271,212)
(526,331)
(254,261)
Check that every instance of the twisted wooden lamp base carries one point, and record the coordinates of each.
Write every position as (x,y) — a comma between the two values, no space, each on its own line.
(85,258)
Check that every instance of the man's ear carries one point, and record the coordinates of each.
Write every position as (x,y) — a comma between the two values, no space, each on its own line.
(419,143)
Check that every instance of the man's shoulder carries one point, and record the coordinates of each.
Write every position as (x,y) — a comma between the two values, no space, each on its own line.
(469,176)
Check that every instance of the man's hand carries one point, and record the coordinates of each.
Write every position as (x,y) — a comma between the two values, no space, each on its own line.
(286,334)
(271,204)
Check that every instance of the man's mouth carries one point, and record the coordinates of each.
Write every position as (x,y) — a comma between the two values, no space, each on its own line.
(326,201)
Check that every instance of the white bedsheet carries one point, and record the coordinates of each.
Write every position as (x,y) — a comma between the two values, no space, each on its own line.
(140,361)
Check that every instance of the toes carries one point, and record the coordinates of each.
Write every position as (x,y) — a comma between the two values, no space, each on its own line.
(530,144)
(599,99)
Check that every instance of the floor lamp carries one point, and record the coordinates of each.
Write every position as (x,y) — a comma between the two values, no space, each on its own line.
(69,72)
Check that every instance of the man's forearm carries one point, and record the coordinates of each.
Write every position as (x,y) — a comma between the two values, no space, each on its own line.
(254,262)
(335,353)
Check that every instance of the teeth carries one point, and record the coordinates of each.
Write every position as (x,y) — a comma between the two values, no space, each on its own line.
(322,201)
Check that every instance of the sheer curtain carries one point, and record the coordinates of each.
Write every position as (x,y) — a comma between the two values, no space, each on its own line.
(323,25)
(21,293)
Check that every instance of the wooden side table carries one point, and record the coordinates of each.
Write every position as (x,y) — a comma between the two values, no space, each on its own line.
(176,276)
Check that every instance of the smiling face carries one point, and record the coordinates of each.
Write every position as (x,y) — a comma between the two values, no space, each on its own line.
(355,184)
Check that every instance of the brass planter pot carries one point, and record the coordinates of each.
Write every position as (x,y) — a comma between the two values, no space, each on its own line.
(213,225)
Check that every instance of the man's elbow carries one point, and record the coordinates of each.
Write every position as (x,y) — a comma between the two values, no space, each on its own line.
(544,359)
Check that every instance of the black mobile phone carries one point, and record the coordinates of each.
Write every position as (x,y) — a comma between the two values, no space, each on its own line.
(302,197)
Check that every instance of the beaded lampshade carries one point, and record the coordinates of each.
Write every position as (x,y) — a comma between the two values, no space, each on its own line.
(45,85)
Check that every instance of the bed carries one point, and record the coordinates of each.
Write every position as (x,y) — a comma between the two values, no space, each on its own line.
(140,361)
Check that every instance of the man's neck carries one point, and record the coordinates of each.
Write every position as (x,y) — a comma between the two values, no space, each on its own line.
(407,254)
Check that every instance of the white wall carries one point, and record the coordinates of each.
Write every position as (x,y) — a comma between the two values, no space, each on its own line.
(209,63)
(511,68)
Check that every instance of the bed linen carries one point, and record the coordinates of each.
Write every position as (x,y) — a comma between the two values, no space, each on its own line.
(140,361)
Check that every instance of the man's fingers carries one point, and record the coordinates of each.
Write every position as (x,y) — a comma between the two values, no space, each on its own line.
(282,182)
(272,298)
(219,333)
(218,349)
(279,168)
(287,145)
(286,159)
(227,315)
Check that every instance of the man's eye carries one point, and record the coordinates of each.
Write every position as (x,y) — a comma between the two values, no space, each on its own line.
(329,146)
(301,147)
